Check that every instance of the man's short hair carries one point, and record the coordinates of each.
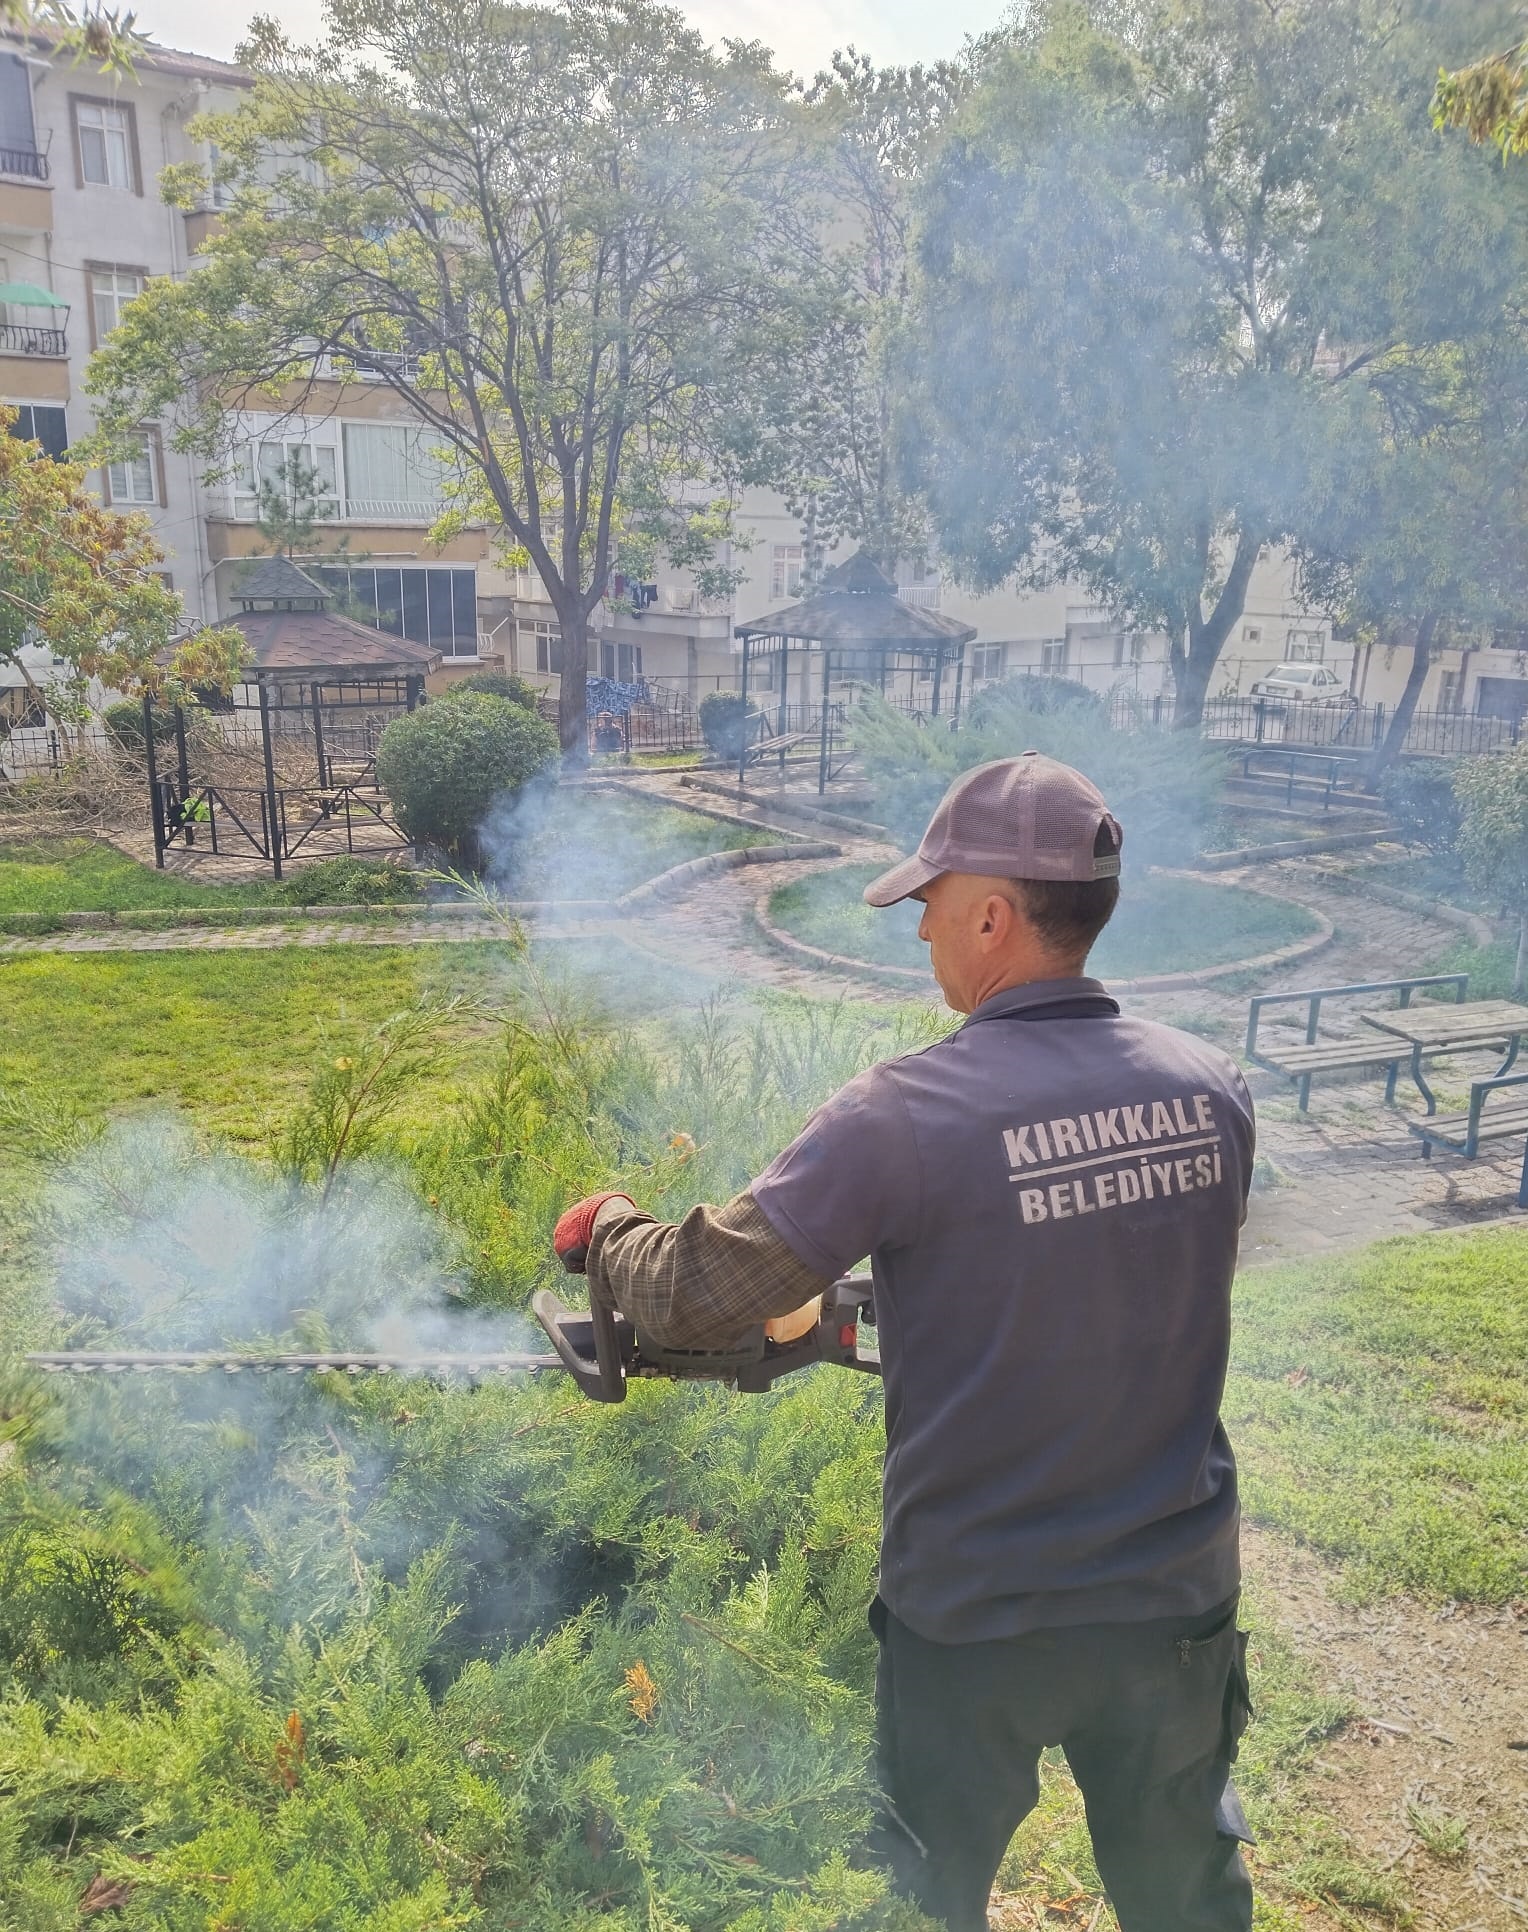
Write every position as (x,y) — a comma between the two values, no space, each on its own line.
(1068,914)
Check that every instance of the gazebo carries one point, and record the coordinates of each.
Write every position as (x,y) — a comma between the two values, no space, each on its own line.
(854,614)
(304,661)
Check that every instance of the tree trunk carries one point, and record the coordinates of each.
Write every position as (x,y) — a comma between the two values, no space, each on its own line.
(573,696)
(1206,636)
(1406,704)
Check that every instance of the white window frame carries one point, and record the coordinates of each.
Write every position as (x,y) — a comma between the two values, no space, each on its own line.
(262,453)
(128,478)
(787,565)
(105,120)
(1305,647)
(545,635)
(989,663)
(1053,657)
(110,281)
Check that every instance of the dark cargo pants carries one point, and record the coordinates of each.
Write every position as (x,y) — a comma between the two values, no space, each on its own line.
(1149,1716)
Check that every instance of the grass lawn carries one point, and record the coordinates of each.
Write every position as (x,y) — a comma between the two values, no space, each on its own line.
(49,876)
(1162,924)
(1379,1408)
(597,846)
(232,1036)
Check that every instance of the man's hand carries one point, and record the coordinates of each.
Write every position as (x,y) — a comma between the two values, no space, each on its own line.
(575,1230)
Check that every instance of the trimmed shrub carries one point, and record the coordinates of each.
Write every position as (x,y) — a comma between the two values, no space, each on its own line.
(444,765)
(1421,803)
(124,724)
(495,684)
(722,722)
(1039,695)
(1161,785)
(348,881)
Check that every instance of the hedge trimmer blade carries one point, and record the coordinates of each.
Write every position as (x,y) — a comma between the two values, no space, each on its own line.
(112,1361)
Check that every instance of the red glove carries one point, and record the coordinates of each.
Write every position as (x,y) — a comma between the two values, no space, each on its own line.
(575,1230)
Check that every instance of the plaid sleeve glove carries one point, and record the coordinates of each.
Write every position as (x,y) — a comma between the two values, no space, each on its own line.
(575,1229)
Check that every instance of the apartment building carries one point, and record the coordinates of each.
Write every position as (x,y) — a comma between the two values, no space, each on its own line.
(82,230)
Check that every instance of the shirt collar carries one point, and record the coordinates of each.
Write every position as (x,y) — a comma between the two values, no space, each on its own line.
(1040,993)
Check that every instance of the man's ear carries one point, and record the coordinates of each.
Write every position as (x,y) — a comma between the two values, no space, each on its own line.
(998,919)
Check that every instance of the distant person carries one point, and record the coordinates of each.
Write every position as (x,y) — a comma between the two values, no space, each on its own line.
(1051,1200)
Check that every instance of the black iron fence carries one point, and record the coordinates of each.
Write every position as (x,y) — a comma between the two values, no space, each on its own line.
(249,823)
(24,161)
(1351,727)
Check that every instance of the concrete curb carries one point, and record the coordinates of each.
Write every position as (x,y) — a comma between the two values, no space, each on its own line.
(679,878)
(908,976)
(1288,849)
(840,821)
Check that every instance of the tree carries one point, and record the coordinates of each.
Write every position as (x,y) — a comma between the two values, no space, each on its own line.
(444,765)
(1162,247)
(1489,100)
(99,34)
(825,403)
(84,581)
(1493,838)
(551,231)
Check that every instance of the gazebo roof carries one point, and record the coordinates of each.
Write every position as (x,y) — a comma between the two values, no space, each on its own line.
(856,607)
(270,581)
(318,644)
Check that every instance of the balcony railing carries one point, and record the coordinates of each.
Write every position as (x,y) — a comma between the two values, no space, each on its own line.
(920,596)
(24,161)
(386,509)
(21,339)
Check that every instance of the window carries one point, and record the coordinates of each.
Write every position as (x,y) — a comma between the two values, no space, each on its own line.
(34,421)
(111,289)
(988,662)
(393,471)
(620,661)
(1129,649)
(303,476)
(437,607)
(1252,634)
(785,566)
(1305,647)
(1053,658)
(18,131)
(134,478)
(105,144)
(548,647)
(1450,690)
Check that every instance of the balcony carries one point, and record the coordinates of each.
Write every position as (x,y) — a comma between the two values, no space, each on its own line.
(22,339)
(920,596)
(23,161)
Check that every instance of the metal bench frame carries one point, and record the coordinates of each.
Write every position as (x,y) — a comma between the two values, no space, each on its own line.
(1477,1127)
(1361,1054)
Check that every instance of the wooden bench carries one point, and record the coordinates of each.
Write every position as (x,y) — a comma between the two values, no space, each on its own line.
(1301,1062)
(777,744)
(1464,1133)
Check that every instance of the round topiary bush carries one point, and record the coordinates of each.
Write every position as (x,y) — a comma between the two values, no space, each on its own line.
(495,684)
(723,720)
(124,724)
(444,765)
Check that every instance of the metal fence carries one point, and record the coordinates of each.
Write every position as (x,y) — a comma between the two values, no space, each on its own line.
(1356,728)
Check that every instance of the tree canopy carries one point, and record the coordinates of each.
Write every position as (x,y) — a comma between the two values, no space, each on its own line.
(85,582)
(553,232)
(1168,253)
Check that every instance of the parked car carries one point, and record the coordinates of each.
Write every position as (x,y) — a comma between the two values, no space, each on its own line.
(1303,684)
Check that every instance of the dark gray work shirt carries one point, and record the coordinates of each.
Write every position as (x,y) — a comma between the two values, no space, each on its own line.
(1051,1199)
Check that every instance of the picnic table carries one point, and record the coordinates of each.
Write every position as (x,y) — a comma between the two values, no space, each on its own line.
(1446,1027)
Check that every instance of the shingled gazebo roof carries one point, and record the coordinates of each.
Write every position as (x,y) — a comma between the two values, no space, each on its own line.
(856,608)
(291,631)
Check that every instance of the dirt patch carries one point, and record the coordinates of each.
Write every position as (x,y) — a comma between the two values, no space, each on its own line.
(1431,1779)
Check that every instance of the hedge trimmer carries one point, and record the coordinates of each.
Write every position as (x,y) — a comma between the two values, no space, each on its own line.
(601,1350)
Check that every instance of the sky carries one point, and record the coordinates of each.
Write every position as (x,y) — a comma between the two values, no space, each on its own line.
(803,33)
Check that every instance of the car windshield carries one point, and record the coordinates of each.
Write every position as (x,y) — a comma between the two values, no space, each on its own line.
(1294,673)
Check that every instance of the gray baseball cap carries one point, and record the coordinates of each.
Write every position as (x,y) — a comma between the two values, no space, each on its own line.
(1017,818)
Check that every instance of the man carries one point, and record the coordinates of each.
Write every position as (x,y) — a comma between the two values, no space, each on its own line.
(1051,1200)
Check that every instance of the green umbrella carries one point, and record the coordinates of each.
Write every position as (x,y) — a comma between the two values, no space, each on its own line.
(27,295)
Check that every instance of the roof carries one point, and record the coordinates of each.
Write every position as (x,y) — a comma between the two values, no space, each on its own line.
(857,607)
(38,36)
(277,580)
(314,643)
